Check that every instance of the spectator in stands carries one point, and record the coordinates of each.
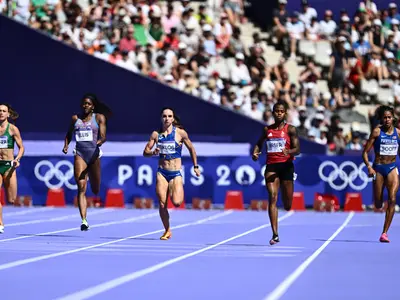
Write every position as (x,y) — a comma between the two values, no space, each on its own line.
(296,30)
(307,13)
(327,26)
(281,17)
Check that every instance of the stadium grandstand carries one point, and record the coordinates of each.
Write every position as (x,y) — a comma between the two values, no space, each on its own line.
(331,69)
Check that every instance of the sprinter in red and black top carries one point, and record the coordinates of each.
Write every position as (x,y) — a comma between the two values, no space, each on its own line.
(282,145)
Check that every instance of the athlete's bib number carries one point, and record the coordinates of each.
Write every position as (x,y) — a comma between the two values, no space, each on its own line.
(3,142)
(388,149)
(276,145)
(84,136)
(167,147)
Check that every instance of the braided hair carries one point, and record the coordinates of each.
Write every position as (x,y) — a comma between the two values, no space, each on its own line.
(99,107)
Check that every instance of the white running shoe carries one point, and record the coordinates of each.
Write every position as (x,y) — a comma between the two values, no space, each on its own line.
(1,229)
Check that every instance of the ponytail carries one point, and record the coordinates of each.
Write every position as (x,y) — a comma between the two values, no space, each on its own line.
(99,107)
(13,114)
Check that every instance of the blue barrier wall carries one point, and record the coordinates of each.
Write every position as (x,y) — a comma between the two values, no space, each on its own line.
(136,177)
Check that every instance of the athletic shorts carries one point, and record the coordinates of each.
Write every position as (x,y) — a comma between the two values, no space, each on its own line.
(284,171)
(5,165)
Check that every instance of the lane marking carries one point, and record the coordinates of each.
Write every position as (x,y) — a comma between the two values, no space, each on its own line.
(281,289)
(57,254)
(76,228)
(108,285)
(26,211)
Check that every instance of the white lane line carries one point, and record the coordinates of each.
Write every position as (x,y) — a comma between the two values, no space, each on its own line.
(129,220)
(281,289)
(39,221)
(26,211)
(57,254)
(108,285)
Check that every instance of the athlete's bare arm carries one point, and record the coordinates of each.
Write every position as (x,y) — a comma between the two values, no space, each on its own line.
(372,137)
(68,136)
(259,145)
(188,143)
(18,140)
(147,152)
(294,141)
(101,120)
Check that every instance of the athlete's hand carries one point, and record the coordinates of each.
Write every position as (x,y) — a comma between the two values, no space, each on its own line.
(65,150)
(371,172)
(255,156)
(15,163)
(285,151)
(156,151)
(197,172)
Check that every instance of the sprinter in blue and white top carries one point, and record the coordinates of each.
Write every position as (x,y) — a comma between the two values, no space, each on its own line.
(90,133)
(168,141)
(385,141)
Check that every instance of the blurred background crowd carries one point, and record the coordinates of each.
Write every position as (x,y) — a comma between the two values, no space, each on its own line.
(333,71)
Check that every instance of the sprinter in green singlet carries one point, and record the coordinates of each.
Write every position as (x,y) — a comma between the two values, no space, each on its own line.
(9,135)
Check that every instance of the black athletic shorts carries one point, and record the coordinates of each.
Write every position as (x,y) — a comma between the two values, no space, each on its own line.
(284,171)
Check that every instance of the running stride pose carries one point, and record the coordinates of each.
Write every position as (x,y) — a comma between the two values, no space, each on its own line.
(168,141)
(282,145)
(385,140)
(90,133)
(9,135)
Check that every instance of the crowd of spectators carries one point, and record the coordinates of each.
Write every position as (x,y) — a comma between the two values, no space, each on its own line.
(181,46)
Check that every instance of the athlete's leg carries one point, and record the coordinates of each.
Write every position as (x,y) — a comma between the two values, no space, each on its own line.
(287,188)
(272,182)
(378,187)
(177,192)
(1,209)
(11,185)
(392,184)
(81,174)
(95,176)
(162,194)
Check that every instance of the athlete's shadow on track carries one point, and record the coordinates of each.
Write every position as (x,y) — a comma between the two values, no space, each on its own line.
(346,241)
(120,238)
(48,235)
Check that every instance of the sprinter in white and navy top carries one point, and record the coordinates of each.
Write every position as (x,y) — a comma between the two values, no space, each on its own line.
(169,141)
(385,141)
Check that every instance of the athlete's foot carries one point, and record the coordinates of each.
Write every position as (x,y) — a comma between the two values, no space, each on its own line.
(84,225)
(1,229)
(274,240)
(166,236)
(384,238)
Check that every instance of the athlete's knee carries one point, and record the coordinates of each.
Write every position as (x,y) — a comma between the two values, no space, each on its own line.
(95,190)
(287,205)
(392,202)
(162,204)
(81,186)
(273,197)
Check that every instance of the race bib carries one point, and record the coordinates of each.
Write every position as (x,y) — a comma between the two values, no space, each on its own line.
(3,142)
(389,149)
(84,136)
(167,147)
(276,145)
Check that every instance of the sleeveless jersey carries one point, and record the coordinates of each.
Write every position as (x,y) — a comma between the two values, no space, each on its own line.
(86,133)
(277,140)
(7,140)
(387,144)
(169,148)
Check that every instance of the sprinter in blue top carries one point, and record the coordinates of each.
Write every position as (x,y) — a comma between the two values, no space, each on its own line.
(89,128)
(385,140)
(169,141)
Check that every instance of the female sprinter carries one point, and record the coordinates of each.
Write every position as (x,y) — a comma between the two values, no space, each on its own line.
(90,133)
(9,135)
(168,141)
(282,145)
(385,140)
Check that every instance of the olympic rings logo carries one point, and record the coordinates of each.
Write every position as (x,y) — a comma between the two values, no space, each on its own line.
(54,171)
(347,178)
